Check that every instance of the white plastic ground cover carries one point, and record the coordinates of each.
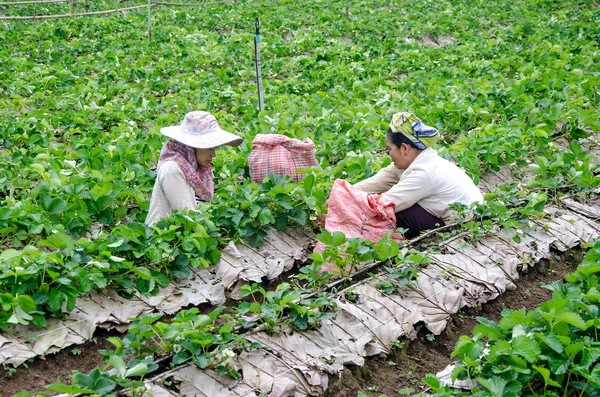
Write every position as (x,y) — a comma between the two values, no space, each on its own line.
(464,274)
(239,264)
(565,229)
(590,209)
(504,176)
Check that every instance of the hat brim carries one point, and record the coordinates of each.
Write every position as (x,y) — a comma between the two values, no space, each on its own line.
(206,141)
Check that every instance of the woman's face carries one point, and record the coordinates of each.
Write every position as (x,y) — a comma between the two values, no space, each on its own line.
(205,156)
(395,153)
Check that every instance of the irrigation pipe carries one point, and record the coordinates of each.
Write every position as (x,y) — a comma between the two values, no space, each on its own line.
(149,20)
(192,4)
(81,14)
(16,3)
(261,105)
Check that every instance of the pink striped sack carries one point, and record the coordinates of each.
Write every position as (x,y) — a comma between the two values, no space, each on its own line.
(280,155)
(357,214)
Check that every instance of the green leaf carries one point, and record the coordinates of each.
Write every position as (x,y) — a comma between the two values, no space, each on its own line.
(324,237)
(95,382)
(9,254)
(338,239)
(138,370)
(118,363)
(281,221)
(202,361)
(495,385)
(19,317)
(571,318)
(266,217)
(55,299)
(545,372)
(23,393)
(26,303)
(552,340)
(143,272)
(68,389)
(309,182)
(181,357)
(526,347)
(512,318)
(299,217)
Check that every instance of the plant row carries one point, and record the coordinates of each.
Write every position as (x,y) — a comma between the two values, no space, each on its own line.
(212,340)
(552,351)
(43,280)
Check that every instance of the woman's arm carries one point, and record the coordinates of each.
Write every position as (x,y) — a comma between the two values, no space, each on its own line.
(176,187)
(413,187)
(381,182)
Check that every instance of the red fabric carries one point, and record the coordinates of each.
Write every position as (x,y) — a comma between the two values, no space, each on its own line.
(280,155)
(358,215)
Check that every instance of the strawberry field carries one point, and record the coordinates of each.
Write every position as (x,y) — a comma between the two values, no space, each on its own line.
(203,302)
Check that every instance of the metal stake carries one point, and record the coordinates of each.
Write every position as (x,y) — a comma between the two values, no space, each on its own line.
(149,25)
(261,105)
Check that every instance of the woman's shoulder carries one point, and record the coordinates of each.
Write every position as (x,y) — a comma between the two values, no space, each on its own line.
(169,168)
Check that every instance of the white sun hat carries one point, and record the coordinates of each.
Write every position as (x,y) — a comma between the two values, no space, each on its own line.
(200,130)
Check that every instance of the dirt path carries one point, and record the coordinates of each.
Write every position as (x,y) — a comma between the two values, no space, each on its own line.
(35,375)
(411,361)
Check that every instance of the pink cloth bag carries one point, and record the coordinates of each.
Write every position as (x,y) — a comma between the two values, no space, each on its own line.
(358,215)
(280,155)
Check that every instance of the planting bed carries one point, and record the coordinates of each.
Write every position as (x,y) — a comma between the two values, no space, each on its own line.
(410,361)
(227,300)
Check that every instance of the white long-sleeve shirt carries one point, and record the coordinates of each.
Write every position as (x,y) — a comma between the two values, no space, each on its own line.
(171,191)
(431,181)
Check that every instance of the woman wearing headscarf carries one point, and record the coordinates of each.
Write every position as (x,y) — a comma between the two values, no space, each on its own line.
(184,173)
(419,182)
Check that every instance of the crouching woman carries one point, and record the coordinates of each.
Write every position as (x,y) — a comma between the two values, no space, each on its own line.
(184,173)
(419,182)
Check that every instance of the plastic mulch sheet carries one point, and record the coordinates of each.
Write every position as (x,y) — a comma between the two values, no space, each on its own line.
(239,264)
(466,273)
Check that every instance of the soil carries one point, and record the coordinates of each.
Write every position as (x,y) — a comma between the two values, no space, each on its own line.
(429,354)
(405,367)
(35,375)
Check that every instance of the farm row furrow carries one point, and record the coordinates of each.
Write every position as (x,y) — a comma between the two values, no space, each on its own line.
(242,264)
(238,264)
(471,273)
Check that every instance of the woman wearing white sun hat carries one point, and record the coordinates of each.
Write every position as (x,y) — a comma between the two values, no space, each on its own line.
(184,173)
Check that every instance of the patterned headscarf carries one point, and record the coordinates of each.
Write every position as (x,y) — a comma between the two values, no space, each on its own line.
(201,178)
(409,125)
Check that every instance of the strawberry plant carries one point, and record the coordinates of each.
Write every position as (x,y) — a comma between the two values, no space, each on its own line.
(547,351)
(133,258)
(271,307)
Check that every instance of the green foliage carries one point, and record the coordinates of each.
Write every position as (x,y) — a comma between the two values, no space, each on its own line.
(249,210)
(83,100)
(545,351)
(133,258)
(270,308)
